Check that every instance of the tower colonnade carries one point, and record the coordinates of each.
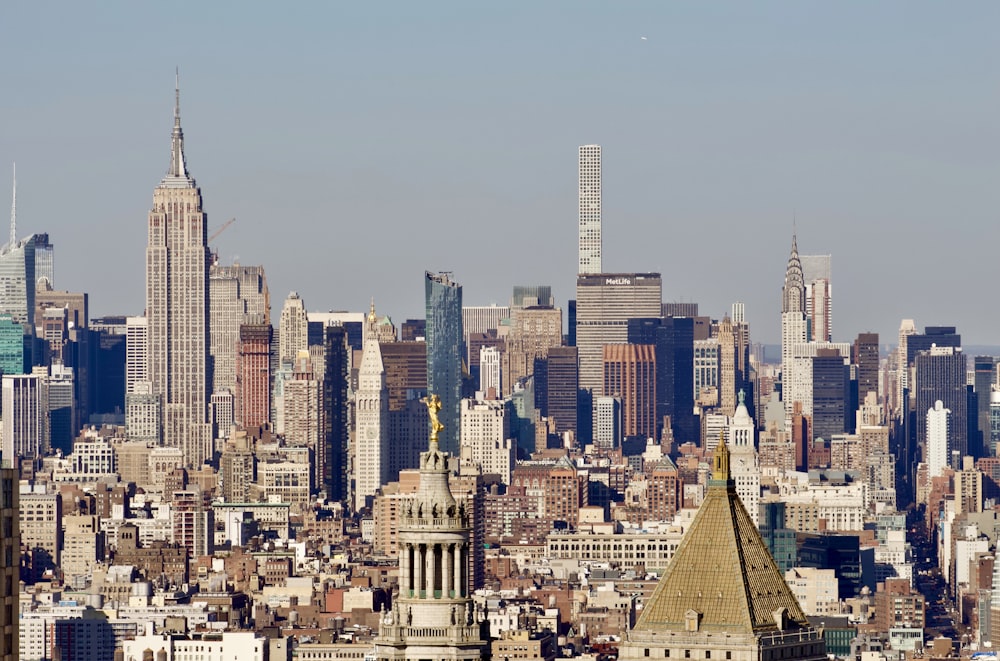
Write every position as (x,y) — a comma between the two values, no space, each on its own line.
(437,570)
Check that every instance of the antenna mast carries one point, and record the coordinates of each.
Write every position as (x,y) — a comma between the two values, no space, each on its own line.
(13,211)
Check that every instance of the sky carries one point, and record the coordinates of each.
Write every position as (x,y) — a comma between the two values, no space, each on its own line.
(360,144)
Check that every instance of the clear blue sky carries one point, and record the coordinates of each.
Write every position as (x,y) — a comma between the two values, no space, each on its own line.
(359,144)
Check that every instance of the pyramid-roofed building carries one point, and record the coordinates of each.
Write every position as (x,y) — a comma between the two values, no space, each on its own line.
(723,596)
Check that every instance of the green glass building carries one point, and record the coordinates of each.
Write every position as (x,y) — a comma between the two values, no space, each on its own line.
(11,346)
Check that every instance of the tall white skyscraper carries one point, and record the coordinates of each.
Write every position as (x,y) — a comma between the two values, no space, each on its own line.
(938,420)
(486,440)
(794,327)
(489,369)
(25,416)
(590,209)
(136,352)
(372,418)
(607,412)
(293,334)
(177,263)
(818,296)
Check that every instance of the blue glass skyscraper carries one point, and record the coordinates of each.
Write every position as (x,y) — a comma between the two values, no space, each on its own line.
(445,349)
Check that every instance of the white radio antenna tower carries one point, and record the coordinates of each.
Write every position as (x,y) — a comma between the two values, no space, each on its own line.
(13,211)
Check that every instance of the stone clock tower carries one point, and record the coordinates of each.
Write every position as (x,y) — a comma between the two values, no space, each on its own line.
(432,615)
(371,434)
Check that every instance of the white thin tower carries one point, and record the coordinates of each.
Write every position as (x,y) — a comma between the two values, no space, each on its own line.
(13,211)
(589,260)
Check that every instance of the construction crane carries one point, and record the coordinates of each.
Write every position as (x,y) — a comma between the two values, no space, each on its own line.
(215,235)
(222,229)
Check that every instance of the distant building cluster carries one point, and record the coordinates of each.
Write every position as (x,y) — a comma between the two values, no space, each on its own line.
(616,477)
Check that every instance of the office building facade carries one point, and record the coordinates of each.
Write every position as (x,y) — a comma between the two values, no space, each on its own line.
(25,416)
(561,386)
(331,466)
(533,331)
(237,295)
(674,350)
(830,380)
(865,355)
(293,329)
(604,304)
(816,272)
(630,376)
(253,380)
(940,374)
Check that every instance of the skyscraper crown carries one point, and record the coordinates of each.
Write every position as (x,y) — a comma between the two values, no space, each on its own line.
(794,292)
(177,175)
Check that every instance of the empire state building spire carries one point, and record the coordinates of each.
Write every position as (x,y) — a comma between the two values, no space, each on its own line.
(177,306)
(177,175)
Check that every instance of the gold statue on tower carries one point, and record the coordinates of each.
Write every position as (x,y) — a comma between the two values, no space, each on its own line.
(433,403)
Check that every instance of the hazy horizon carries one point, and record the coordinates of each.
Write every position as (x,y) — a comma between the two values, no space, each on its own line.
(361,144)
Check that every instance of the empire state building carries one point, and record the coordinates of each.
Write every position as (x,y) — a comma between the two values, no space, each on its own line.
(177,263)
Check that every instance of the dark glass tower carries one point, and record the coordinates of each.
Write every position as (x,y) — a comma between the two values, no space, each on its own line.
(331,457)
(937,336)
(986,372)
(830,393)
(561,388)
(673,339)
(445,349)
(867,359)
(941,374)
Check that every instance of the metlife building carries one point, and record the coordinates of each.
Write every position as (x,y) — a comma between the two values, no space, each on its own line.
(604,304)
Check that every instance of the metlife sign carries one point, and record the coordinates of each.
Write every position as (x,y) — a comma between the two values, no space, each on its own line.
(618,281)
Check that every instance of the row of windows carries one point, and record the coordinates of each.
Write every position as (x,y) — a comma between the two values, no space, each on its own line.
(687,654)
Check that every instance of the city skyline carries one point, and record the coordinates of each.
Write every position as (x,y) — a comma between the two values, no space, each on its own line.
(684,126)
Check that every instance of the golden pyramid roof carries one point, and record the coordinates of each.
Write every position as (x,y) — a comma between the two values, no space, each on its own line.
(722,573)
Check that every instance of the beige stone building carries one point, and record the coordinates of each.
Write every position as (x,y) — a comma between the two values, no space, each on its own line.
(83,545)
(533,331)
(41,525)
(283,482)
(816,590)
